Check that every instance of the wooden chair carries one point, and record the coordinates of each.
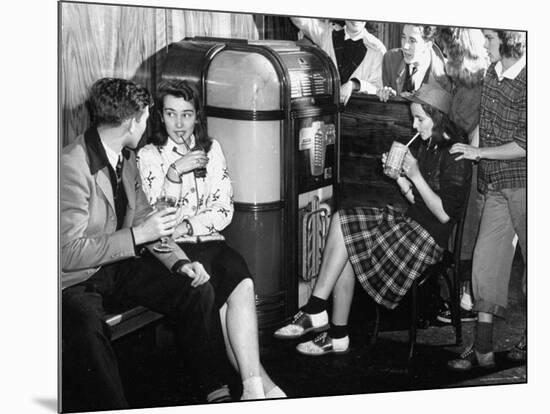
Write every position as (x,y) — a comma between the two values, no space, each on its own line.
(449,269)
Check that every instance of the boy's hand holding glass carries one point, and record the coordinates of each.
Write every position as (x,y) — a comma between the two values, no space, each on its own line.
(157,224)
(166,207)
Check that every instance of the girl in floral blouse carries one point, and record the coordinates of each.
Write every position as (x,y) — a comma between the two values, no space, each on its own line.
(182,161)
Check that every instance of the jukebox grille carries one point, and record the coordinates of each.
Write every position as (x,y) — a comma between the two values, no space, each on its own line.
(314,234)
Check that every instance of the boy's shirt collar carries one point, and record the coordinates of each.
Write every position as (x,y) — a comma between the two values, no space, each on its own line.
(356,37)
(112,156)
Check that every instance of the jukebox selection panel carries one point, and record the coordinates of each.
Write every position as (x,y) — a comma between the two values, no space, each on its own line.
(305,84)
(309,76)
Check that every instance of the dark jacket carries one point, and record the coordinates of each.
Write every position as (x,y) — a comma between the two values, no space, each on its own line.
(394,70)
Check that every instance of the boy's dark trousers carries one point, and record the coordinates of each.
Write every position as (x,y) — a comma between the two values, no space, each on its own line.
(92,366)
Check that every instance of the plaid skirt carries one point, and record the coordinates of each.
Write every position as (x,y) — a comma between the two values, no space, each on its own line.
(387,251)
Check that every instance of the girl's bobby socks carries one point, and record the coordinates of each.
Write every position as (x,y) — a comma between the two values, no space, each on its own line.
(315,305)
(338,331)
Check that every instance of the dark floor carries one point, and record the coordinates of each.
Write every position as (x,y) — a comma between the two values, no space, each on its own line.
(158,381)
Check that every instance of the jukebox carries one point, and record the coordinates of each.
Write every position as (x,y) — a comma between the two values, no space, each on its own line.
(273,106)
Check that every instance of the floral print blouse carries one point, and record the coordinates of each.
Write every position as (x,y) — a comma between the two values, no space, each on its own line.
(207,203)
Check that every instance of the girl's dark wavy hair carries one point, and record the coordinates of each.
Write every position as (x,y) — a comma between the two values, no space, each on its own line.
(189,92)
(513,43)
(444,126)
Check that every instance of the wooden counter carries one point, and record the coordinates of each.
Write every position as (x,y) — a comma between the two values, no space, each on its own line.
(367,129)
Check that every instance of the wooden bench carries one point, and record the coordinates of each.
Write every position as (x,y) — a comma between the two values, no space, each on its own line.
(129,321)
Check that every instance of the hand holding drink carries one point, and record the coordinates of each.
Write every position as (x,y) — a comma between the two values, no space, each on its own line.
(200,171)
(394,160)
(156,225)
(164,202)
(393,165)
(194,160)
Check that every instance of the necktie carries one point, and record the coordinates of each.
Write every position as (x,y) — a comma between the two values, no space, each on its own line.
(413,72)
(120,196)
(409,81)
(118,170)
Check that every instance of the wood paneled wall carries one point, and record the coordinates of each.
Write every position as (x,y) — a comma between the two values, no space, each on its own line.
(390,34)
(128,42)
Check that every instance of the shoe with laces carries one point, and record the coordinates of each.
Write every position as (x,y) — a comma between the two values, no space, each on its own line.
(470,359)
(519,352)
(302,323)
(323,344)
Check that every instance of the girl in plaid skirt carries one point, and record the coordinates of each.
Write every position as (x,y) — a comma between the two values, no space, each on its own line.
(384,249)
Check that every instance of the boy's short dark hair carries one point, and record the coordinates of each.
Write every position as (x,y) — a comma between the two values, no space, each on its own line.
(428,32)
(513,43)
(114,100)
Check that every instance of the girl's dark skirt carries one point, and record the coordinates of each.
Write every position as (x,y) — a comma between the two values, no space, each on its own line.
(226,267)
(387,251)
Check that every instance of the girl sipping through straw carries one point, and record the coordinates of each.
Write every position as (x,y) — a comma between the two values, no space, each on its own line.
(386,250)
(176,159)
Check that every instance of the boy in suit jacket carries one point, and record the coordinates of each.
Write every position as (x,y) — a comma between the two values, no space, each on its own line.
(416,62)
(106,219)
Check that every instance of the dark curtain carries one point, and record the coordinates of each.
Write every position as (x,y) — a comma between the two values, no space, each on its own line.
(277,28)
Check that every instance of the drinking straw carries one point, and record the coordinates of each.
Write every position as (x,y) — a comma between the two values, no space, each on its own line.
(180,135)
(412,139)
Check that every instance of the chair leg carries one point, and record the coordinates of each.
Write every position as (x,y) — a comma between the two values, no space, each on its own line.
(455,306)
(376,328)
(414,318)
(454,293)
